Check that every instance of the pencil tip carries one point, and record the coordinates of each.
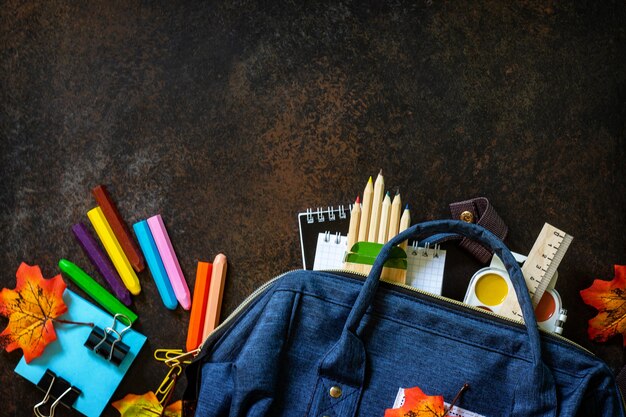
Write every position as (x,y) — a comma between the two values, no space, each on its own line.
(407,206)
(381,172)
(358,200)
(370,180)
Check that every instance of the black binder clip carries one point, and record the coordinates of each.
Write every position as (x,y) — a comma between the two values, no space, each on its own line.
(58,389)
(108,342)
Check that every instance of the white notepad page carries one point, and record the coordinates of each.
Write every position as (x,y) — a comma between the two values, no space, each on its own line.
(425,266)
(330,251)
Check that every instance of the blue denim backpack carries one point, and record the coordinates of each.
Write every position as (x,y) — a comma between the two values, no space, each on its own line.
(312,343)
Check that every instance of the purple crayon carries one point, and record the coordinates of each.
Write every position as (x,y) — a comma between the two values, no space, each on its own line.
(101,262)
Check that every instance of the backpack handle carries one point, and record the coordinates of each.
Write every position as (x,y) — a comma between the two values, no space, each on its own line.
(345,363)
(471,231)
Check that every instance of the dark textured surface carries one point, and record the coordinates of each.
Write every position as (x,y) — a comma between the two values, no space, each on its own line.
(229,118)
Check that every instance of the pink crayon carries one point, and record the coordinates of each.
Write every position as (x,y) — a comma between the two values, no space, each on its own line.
(170,261)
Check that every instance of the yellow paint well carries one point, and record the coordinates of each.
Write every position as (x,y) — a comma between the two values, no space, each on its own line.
(491,289)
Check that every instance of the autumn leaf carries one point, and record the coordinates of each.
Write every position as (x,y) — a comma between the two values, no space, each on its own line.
(609,298)
(418,404)
(31,308)
(146,405)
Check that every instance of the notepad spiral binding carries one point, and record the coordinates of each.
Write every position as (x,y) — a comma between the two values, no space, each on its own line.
(335,237)
(322,214)
(313,221)
(426,250)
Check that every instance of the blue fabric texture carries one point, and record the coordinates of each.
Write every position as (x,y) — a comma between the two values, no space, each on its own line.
(313,334)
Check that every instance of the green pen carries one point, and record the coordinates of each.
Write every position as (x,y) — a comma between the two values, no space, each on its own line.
(95,290)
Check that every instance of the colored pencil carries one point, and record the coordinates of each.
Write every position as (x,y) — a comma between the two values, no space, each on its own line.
(366,210)
(377,199)
(405,223)
(394,217)
(385,212)
(353,230)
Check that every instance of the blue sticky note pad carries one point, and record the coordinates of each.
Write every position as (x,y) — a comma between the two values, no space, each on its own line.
(155,264)
(70,359)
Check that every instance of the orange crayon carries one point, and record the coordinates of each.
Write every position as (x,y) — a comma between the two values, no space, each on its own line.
(199,304)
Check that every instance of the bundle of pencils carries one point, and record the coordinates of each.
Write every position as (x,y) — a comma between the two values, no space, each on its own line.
(377,219)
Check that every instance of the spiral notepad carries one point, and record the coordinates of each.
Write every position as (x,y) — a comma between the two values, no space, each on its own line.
(425,265)
(320,220)
(330,251)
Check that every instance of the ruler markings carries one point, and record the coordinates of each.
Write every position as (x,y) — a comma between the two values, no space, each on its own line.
(540,267)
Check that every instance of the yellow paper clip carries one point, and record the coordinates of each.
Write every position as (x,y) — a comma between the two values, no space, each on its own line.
(163,355)
(163,393)
(173,357)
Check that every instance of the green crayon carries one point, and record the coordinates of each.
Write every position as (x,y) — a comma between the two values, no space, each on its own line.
(95,290)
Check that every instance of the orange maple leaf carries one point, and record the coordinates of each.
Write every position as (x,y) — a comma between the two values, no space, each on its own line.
(31,308)
(609,298)
(146,405)
(418,404)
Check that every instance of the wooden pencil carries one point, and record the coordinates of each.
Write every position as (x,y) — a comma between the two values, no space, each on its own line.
(377,200)
(355,217)
(405,223)
(394,217)
(366,210)
(385,212)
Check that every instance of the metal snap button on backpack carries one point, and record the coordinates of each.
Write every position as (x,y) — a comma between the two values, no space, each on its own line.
(335,392)
(467,217)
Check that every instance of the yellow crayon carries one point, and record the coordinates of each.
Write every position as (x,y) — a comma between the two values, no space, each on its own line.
(114,249)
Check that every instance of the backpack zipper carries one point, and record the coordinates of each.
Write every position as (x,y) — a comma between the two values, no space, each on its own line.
(466,306)
(440,298)
(256,293)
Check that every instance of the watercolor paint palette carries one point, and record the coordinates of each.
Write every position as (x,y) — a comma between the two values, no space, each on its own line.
(491,287)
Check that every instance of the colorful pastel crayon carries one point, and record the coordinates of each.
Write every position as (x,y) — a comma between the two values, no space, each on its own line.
(170,261)
(155,264)
(199,305)
(95,290)
(101,262)
(119,227)
(113,248)
(216,291)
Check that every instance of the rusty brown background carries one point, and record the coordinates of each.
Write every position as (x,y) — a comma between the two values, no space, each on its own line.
(229,118)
